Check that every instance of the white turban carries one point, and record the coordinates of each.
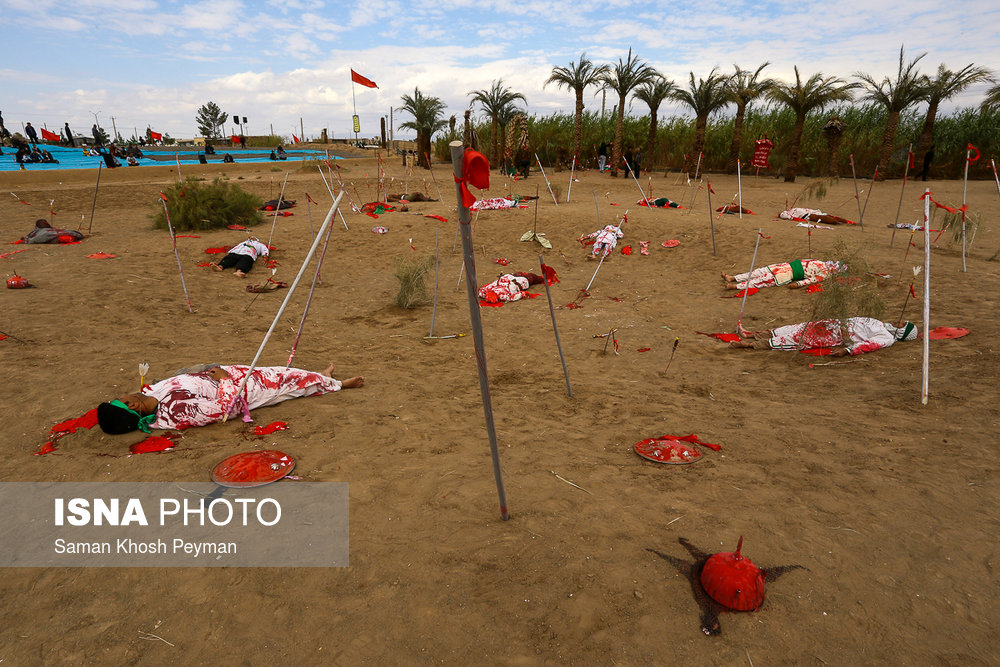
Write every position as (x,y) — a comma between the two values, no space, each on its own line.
(906,332)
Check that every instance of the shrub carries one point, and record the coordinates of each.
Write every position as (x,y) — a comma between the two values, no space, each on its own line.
(194,206)
(412,275)
(851,293)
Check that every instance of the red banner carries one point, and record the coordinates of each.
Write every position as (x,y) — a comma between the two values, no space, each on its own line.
(761,151)
(49,136)
(357,78)
(155,136)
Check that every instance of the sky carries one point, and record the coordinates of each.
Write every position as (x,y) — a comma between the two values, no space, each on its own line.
(155,62)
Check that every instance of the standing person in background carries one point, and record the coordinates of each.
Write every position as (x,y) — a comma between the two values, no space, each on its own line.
(30,131)
(97,135)
(602,156)
(69,136)
(928,158)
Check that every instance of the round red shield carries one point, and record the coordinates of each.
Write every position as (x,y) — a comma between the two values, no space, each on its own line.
(672,243)
(248,469)
(943,333)
(667,450)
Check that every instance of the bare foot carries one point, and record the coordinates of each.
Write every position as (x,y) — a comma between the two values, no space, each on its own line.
(239,274)
(728,278)
(746,343)
(328,371)
(215,267)
(732,286)
(743,332)
(353,383)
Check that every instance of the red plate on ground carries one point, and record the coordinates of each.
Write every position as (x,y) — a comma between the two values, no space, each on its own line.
(667,450)
(943,333)
(248,469)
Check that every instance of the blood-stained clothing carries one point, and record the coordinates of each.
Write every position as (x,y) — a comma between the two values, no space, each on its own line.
(864,334)
(197,399)
(507,287)
(605,240)
(800,271)
(251,248)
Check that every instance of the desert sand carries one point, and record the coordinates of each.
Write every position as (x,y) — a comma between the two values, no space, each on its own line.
(837,467)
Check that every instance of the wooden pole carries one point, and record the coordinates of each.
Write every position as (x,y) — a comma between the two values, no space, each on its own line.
(965,186)
(642,194)
(277,207)
(927,293)
(871,186)
(464,223)
(173,239)
(711,222)
(906,171)
(312,290)
(995,177)
(694,183)
(555,329)
(288,296)
(857,195)
(330,190)
(549,185)
(93,206)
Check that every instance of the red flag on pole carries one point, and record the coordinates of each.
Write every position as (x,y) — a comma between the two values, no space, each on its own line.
(357,78)
(295,139)
(155,136)
(49,136)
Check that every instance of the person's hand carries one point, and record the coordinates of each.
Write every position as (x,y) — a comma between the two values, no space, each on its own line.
(840,352)
(794,285)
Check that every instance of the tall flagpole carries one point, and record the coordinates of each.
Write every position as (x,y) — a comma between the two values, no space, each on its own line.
(355,101)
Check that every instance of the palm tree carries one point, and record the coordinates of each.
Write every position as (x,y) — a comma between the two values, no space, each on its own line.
(943,86)
(908,89)
(623,78)
(992,100)
(428,118)
(801,98)
(653,93)
(742,88)
(704,96)
(494,103)
(577,77)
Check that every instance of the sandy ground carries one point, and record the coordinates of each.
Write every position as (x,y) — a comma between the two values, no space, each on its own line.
(891,505)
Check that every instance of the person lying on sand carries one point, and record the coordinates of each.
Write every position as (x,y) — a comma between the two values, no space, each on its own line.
(200,398)
(604,240)
(813,215)
(863,334)
(242,256)
(512,286)
(46,233)
(796,273)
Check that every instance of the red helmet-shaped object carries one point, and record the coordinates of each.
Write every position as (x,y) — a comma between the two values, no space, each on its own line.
(733,581)
(17,282)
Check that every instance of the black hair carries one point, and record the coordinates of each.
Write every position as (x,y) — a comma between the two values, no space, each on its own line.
(114,420)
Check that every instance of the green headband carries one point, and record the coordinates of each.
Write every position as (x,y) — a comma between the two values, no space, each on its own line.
(144,422)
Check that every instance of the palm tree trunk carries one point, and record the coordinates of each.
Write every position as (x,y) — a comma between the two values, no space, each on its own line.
(927,134)
(734,149)
(578,125)
(423,148)
(495,129)
(616,146)
(792,166)
(700,125)
(833,142)
(888,140)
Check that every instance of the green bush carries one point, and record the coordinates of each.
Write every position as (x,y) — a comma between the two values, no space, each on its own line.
(194,206)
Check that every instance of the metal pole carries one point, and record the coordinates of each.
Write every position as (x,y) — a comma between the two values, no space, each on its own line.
(711,221)
(277,207)
(739,188)
(746,290)
(552,314)
(965,185)
(437,266)
(857,195)
(173,239)
(572,171)
(694,183)
(312,290)
(542,169)
(288,296)
(94,205)
(927,294)
(641,193)
(464,222)
(622,222)
(871,186)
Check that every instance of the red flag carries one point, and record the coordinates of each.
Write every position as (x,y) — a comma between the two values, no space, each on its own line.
(710,187)
(911,160)
(49,136)
(295,139)
(912,292)
(155,136)
(970,147)
(357,78)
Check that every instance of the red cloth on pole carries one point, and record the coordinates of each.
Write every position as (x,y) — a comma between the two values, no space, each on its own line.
(357,78)
(295,139)
(155,136)
(761,152)
(49,136)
